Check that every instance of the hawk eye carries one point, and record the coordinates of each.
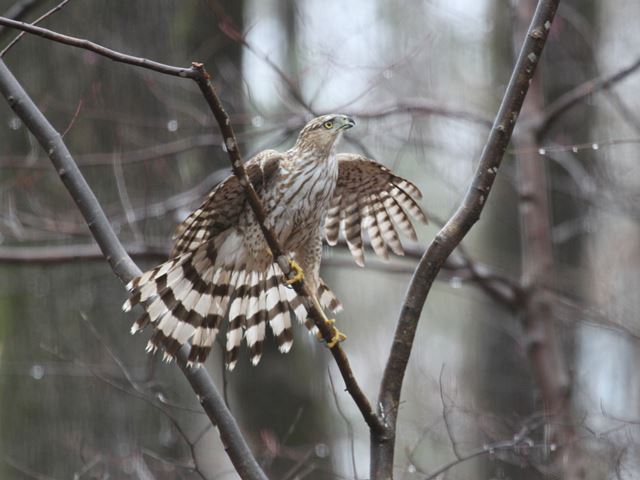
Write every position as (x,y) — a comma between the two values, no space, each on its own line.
(328,125)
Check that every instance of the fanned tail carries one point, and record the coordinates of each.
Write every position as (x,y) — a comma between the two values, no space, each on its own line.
(187,298)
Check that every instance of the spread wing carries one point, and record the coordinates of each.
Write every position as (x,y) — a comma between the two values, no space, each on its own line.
(369,197)
(224,205)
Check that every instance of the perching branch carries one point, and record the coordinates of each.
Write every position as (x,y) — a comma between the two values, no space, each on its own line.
(382,446)
(51,141)
(198,74)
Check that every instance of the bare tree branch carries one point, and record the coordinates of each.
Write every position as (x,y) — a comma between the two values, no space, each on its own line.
(74,252)
(459,266)
(382,446)
(122,265)
(579,93)
(181,72)
(544,351)
(423,106)
(515,445)
(198,74)
(154,152)
(38,20)
(18,11)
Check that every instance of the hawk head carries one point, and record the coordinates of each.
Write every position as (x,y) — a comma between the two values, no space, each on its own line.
(322,132)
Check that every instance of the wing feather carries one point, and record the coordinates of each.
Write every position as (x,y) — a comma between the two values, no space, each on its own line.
(332,221)
(351,228)
(223,207)
(370,197)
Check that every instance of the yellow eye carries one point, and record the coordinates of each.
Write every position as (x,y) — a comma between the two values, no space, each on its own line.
(328,125)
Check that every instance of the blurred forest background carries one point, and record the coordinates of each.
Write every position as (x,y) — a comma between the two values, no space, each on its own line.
(423,80)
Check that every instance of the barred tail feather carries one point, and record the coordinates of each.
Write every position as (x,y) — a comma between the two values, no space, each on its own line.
(187,298)
(205,336)
(256,317)
(328,299)
(235,331)
(284,338)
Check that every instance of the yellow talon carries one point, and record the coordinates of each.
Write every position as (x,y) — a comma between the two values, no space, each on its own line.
(338,337)
(330,321)
(299,274)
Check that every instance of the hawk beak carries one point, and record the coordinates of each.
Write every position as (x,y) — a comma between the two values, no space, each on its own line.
(347,123)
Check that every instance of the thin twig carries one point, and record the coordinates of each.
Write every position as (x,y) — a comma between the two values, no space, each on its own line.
(136,392)
(125,200)
(155,152)
(423,106)
(228,27)
(163,459)
(181,72)
(125,371)
(445,417)
(38,20)
(579,93)
(18,10)
(486,450)
(73,253)
(350,434)
(24,470)
(453,232)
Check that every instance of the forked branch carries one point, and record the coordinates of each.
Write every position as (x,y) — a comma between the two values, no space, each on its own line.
(449,236)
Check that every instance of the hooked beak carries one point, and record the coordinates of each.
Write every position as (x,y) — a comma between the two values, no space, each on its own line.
(346,123)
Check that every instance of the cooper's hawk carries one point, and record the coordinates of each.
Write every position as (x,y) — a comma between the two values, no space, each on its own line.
(221,266)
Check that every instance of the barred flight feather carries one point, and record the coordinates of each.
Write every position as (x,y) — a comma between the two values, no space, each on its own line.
(387,228)
(385,202)
(400,217)
(332,222)
(351,227)
(375,234)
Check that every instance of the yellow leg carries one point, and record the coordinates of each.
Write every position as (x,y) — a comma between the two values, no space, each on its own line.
(298,273)
(336,335)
